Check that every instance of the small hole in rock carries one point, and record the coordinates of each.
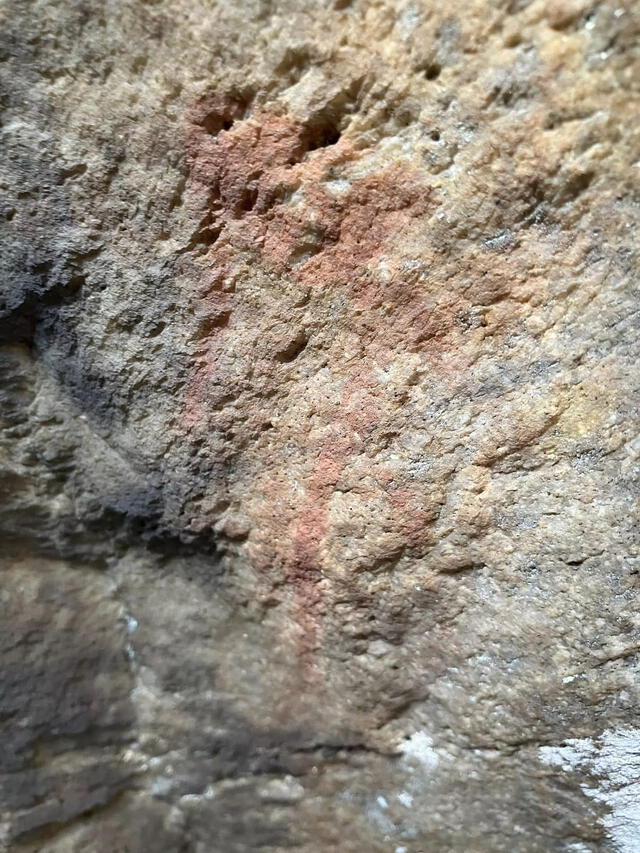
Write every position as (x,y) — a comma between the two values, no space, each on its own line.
(207,235)
(324,137)
(248,199)
(223,119)
(292,350)
(435,135)
(319,133)
(432,71)
(155,330)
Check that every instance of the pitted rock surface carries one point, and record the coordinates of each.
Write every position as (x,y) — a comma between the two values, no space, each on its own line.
(319,441)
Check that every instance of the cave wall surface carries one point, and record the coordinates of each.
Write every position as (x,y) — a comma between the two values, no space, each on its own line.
(319,426)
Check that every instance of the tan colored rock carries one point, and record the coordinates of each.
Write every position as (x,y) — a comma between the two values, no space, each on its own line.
(320,418)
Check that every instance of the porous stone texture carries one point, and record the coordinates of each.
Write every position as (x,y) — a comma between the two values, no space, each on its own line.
(320,426)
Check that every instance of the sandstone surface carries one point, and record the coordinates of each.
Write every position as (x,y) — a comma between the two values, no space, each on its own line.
(319,440)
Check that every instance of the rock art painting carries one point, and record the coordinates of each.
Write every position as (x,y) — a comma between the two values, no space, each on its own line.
(319,426)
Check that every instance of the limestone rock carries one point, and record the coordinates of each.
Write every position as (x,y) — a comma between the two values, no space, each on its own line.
(320,426)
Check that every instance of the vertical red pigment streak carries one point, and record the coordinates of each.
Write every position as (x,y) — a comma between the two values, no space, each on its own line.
(203,373)
(243,170)
(309,530)
(360,410)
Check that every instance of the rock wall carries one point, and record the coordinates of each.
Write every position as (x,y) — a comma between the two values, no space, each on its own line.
(319,426)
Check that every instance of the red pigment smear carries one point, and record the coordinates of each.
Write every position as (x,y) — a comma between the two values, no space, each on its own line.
(360,410)
(242,175)
(308,531)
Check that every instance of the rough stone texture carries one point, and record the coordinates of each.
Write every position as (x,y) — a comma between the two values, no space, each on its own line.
(319,426)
